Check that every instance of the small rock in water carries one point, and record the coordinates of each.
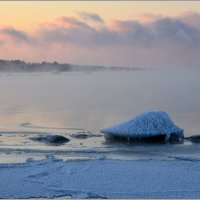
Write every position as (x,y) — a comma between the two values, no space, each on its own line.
(194,138)
(25,124)
(51,139)
(80,136)
(84,136)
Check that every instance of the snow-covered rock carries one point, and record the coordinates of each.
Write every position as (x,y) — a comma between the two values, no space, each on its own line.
(147,124)
(51,139)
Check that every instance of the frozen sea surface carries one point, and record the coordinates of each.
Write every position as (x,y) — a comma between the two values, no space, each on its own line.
(76,106)
(101,178)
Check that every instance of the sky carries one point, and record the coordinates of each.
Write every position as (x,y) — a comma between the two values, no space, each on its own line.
(147,34)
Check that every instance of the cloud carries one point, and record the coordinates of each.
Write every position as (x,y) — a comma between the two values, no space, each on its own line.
(16,35)
(191,18)
(72,22)
(177,31)
(160,41)
(146,17)
(128,32)
(82,37)
(73,31)
(91,17)
(135,33)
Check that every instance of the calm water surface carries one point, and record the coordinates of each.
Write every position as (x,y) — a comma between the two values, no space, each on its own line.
(74,102)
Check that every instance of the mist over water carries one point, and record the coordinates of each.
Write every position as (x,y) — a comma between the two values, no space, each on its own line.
(95,100)
(70,103)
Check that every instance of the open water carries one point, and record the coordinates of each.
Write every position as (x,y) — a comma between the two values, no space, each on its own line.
(74,103)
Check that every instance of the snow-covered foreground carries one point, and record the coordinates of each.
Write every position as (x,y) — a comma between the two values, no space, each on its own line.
(101,178)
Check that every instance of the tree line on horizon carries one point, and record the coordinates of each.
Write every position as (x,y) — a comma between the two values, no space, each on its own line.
(22,66)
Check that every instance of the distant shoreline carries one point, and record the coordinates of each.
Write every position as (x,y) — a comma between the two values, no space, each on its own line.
(22,66)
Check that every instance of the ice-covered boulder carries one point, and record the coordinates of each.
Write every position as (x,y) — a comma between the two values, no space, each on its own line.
(147,125)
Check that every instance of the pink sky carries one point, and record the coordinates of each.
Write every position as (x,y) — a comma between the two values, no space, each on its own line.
(102,33)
